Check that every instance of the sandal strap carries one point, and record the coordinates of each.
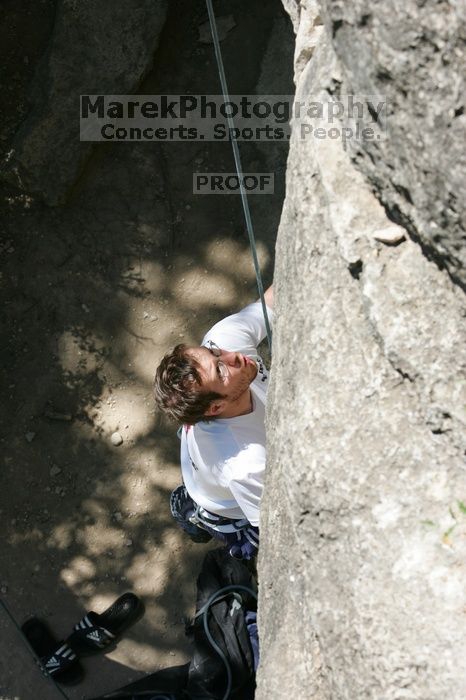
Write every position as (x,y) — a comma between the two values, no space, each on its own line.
(92,633)
(59,660)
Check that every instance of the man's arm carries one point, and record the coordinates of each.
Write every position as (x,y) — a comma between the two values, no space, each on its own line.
(244,330)
(268,296)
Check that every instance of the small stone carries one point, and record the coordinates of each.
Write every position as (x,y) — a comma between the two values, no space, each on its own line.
(37,568)
(145,314)
(116,439)
(55,471)
(118,516)
(85,308)
(4,589)
(30,436)
(390,234)
(128,543)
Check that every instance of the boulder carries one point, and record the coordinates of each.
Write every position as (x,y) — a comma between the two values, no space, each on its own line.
(90,52)
(413,54)
(363,521)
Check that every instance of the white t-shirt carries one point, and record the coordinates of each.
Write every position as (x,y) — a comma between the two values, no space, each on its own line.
(223,461)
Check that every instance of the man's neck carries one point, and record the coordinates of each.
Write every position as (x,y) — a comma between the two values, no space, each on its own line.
(241,407)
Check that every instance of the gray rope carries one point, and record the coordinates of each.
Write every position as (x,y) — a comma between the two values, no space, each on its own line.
(236,154)
(214,598)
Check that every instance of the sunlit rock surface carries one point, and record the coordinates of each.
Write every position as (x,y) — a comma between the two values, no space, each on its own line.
(363,530)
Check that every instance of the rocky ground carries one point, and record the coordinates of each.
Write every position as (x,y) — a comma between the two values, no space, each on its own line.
(94,292)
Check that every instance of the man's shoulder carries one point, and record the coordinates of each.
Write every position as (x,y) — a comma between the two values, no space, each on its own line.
(228,433)
(214,432)
(241,331)
(220,442)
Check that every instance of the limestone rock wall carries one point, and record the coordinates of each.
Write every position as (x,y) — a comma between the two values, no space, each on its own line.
(363,556)
(90,52)
(413,53)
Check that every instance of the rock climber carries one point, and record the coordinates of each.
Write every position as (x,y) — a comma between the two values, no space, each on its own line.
(217,392)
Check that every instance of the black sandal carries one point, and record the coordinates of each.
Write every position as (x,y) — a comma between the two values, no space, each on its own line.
(56,658)
(96,632)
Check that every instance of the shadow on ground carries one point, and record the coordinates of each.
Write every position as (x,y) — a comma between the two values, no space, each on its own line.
(94,293)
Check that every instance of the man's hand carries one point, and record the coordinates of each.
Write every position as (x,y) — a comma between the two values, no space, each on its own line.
(268,296)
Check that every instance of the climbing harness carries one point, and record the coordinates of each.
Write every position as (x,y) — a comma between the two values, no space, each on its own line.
(239,170)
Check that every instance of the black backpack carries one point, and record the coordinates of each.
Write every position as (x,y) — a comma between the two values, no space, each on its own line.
(223,664)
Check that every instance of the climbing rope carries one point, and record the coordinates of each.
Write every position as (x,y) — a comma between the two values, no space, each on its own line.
(239,170)
(204,611)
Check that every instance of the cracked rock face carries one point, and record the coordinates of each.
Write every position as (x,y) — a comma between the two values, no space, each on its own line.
(363,530)
(114,61)
(413,54)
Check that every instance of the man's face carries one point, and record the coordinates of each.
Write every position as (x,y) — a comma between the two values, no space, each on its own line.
(227,373)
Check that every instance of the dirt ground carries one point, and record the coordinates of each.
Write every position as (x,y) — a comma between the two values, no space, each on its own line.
(94,293)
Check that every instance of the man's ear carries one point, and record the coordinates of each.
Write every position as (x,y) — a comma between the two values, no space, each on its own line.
(216,408)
